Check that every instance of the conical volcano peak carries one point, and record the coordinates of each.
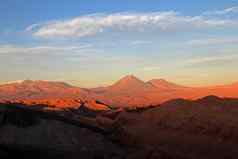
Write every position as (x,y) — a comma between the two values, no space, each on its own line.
(128,82)
(130,78)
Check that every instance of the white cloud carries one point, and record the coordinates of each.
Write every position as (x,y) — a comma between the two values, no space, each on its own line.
(212,59)
(88,25)
(230,10)
(213,41)
(33,26)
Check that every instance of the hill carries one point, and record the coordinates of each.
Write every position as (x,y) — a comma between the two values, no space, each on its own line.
(129,91)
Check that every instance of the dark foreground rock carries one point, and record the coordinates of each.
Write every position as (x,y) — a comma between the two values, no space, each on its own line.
(179,129)
(30,134)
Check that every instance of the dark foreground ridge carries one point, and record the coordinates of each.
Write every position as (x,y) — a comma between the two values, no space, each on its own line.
(178,129)
(29,132)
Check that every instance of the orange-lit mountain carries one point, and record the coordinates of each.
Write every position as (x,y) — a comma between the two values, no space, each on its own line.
(131,91)
(126,85)
(127,92)
(130,84)
(163,84)
(39,89)
(55,94)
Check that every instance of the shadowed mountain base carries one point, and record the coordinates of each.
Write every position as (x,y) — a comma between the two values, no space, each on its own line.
(178,129)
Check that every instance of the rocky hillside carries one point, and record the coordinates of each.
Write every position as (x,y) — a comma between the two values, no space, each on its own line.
(178,129)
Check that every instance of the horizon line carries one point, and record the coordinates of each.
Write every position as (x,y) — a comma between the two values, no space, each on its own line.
(69,82)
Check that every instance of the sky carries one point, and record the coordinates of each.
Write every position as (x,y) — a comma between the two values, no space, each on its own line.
(95,42)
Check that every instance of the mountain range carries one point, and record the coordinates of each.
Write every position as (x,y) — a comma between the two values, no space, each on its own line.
(127,92)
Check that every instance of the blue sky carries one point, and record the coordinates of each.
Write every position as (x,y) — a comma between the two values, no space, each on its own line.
(91,43)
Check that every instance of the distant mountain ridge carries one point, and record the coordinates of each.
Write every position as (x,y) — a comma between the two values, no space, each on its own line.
(39,89)
(129,91)
(163,84)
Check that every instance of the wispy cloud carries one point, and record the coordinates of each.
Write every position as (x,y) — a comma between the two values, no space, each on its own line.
(230,10)
(212,59)
(47,49)
(213,41)
(88,25)
(83,54)
(32,27)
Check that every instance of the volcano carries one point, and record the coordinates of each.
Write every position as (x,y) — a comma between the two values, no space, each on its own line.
(129,91)
(130,83)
